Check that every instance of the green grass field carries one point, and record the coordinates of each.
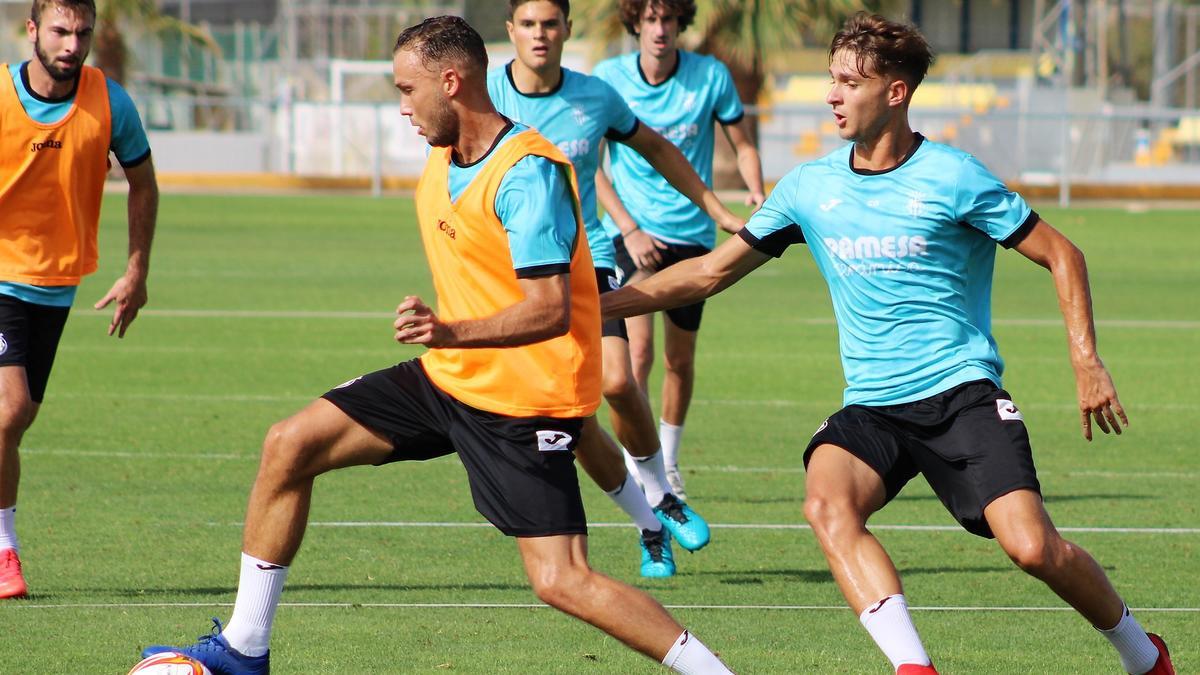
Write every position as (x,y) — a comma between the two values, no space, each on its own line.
(137,470)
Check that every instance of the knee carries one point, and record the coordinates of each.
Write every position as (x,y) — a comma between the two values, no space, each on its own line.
(284,451)
(16,414)
(829,517)
(559,586)
(681,362)
(619,385)
(1038,556)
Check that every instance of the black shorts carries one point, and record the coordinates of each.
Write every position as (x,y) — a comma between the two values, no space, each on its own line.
(970,443)
(686,317)
(521,469)
(606,281)
(29,335)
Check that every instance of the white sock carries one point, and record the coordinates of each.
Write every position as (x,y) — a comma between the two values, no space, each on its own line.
(689,656)
(632,467)
(259,588)
(1138,653)
(653,473)
(669,436)
(892,629)
(8,530)
(633,502)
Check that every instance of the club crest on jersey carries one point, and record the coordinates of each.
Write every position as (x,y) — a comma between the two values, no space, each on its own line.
(581,116)
(1008,410)
(689,102)
(916,203)
(553,441)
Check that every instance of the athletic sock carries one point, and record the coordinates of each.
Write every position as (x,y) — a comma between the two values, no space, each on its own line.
(653,474)
(632,467)
(8,530)
(259,588)
(892,629)
(633,502)
(668,437)
(1138,653)
(689,656)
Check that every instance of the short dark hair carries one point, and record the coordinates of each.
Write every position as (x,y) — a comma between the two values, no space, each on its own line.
(564,5)
(35,13)
(887,47)
(444,38)
(631,12)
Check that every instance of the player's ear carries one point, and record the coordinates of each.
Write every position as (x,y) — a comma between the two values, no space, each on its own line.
(570,24)
(31,30)
(508,26)
(451,82)
(898,92)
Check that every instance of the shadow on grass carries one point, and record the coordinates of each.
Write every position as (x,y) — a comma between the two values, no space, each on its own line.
(181,594)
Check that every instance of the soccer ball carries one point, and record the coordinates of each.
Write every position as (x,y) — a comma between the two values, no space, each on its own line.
(170,663)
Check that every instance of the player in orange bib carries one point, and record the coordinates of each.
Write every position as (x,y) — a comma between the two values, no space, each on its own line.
(58,121)
(512,371)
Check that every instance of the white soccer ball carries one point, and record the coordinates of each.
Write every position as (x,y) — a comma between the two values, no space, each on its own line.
(170,663)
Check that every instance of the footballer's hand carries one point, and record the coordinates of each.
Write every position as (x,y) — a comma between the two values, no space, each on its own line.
(129,292)
(643,249)
(1098,400)
(732,224)
(756,200)
(416,324)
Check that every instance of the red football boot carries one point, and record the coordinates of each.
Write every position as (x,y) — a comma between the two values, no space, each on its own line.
(12,584)
(1163,665)
(914,669)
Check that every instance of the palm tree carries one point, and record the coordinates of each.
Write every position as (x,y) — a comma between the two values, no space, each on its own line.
(115,16)
(749,36)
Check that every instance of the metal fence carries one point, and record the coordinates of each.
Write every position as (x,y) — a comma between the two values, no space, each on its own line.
(1106,145)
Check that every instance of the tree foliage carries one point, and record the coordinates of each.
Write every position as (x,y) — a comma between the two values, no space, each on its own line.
(116,18)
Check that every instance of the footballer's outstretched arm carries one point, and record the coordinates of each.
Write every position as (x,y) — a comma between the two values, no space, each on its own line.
(666,158)
(1098,400)
(686,282)
(544,313)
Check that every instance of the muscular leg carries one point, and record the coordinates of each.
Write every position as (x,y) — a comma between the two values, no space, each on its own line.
(316,440)
(841,492)
(641,348)
(679,372)
(558,570)
(1024,530)
(17,412)
(630,414)
(600,457)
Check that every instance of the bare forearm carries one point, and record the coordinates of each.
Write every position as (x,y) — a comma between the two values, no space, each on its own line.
(142,212)
(521,324)
(670,162)
(683,283)
(606,194)
(1075,303)
(750,167)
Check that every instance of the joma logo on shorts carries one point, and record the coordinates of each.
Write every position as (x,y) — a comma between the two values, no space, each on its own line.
(45,145)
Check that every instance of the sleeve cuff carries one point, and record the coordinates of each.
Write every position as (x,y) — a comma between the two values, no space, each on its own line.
(134,162)
(1013,240)
(535,271)
(614,135)
(776,243)
(732,120)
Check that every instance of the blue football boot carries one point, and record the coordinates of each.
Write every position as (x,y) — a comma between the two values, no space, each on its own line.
(215,653)
(657,560)
(685,524)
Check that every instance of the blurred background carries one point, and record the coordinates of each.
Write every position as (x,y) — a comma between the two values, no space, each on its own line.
(1068,98)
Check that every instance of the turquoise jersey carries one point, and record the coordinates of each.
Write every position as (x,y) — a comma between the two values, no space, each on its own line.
(683,109)
(576,116)
(128,143)
(908,255)
(533,192)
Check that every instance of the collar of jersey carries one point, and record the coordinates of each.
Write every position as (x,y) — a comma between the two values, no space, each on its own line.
(876,172)
(562,79)
(637,59)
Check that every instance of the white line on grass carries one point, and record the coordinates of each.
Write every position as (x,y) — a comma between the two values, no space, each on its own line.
(745,526)
(1169,324)
(127,454)
(535,605)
